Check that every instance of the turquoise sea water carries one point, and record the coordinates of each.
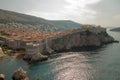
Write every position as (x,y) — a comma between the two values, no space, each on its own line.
(100,64)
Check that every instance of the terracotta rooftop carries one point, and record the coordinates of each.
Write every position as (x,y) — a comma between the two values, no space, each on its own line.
(29,35)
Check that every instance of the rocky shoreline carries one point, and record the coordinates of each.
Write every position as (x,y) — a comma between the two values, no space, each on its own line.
(84,38)
(87,36)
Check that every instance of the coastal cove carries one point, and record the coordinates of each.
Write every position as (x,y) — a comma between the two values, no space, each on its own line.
(99,64)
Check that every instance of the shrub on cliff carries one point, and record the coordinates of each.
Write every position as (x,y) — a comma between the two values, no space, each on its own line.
(38,78)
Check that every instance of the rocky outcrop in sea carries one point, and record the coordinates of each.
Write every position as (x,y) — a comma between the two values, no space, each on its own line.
(20,74)
(2,77)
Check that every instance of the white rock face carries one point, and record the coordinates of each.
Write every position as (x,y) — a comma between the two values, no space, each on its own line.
(2,77)
(1,52)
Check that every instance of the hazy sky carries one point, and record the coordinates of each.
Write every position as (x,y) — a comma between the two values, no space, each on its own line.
(103,12)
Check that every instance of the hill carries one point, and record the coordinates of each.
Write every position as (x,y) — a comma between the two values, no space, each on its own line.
(65,24)
(42,24)
(10,17)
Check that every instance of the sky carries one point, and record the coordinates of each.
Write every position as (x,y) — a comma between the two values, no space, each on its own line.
(98,12)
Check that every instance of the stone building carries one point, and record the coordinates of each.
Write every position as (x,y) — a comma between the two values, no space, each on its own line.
(16,43)
(32,48)
(94,29)
(13,43)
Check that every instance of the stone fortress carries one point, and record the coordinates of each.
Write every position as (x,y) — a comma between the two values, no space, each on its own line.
(87,35)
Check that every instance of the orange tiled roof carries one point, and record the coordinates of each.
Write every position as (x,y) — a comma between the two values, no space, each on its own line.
(29,34)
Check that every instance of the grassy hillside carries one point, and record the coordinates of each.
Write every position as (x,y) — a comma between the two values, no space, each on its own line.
(65,24)
(9,17)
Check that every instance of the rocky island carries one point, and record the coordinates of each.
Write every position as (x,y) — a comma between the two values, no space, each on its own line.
(19,74)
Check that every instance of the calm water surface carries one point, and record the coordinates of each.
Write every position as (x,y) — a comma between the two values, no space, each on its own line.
(100,64)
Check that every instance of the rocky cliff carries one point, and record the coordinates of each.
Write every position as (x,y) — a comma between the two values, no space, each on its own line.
(1,53)
(83,37)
